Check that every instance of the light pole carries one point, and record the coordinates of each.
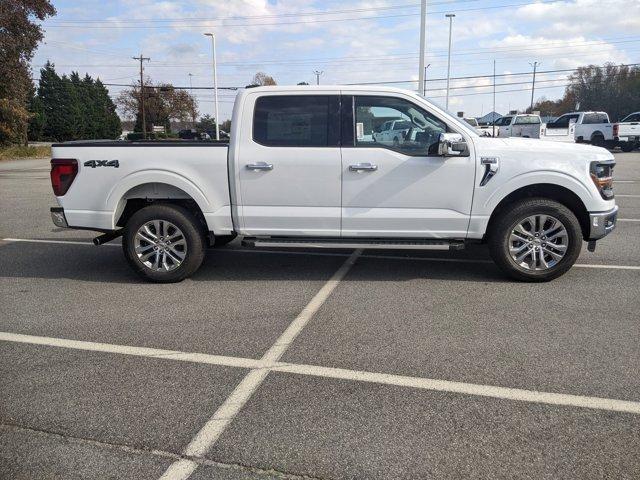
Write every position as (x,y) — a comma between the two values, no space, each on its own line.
(450,17)
(423,41)
(533,85)
(317,73)
(424,83)
(215,82)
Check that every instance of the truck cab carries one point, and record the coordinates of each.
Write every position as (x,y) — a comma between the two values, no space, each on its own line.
(306,167)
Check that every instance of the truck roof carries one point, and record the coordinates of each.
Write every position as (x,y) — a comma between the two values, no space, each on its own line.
(324,88)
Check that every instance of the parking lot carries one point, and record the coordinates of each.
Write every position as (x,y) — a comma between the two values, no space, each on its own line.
(313,364)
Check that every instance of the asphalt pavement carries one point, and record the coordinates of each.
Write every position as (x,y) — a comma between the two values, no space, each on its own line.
(313,364)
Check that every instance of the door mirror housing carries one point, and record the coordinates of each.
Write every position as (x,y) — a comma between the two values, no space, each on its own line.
(452,145)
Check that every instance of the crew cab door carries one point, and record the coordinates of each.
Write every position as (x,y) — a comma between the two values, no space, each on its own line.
(288,164)
(406,189)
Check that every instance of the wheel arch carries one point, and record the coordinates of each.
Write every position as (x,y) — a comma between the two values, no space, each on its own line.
(561,194)
(153,193)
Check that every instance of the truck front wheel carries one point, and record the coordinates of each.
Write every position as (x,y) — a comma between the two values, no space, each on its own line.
(163,243)
(535,240)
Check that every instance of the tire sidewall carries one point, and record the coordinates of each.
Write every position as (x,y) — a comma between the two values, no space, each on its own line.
(499,243)
(182,219)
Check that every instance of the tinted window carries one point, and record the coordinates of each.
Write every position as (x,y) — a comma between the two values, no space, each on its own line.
(504,121)
(296,121)
(634,117)
(563,121)
(416,134)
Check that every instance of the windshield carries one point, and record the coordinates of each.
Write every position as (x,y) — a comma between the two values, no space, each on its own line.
(634,117)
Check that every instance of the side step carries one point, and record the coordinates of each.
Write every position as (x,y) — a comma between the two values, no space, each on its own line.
(352,243)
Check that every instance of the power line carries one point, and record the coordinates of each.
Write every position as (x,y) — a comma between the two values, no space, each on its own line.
(72,25)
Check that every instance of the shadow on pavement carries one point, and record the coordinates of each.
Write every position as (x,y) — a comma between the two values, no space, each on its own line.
(106,264)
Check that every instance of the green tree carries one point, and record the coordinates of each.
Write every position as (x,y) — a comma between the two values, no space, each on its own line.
(72,108)
(19,37)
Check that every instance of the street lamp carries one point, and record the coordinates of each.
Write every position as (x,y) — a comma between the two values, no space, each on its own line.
(215,81)
(450,17)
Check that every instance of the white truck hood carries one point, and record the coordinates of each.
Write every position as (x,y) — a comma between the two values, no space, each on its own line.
(524,148)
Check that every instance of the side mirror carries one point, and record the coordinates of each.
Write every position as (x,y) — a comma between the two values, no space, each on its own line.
(451,145)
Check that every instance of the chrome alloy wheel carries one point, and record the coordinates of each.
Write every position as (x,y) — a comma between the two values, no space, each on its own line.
(538,242)
(160,245)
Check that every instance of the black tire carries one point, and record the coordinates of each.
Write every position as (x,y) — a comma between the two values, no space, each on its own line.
(597,140)
(191,231)
(222,240)
(627,147)
(502,227)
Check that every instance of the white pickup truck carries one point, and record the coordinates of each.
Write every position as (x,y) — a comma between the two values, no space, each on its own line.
(581,127)
(627,132)
(520,125)
(302,170)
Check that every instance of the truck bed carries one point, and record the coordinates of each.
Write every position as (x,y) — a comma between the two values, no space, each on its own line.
(112,172)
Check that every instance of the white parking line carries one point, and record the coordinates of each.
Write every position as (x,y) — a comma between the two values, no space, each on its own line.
(625,181)
(211,431)
(241,394)
(629,219)
(336,254)
(627,196)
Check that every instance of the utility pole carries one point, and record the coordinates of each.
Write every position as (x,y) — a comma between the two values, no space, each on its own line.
(450,17)
(317,73)
(144,120)
(193,116)
(215,82)
(533,85)
(423,43)
(493,117)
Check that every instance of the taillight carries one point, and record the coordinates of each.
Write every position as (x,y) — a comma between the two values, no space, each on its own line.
(63,171)
(616,129)
(602,176)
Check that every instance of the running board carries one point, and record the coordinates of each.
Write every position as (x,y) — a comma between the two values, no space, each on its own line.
(353,243)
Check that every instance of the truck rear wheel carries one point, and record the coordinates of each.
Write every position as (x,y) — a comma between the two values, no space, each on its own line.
(163,243)
(536,240)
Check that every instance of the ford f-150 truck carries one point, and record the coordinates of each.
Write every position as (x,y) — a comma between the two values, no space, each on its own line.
(520,125)
(582,127)
(627,132)
(302,170)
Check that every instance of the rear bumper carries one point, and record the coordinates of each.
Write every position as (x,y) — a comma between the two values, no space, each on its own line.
(602,224)
(57,215)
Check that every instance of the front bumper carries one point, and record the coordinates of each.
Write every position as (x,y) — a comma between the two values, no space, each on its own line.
(57,215)
(602,224)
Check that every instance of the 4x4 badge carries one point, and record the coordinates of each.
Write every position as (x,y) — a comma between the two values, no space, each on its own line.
(102,163)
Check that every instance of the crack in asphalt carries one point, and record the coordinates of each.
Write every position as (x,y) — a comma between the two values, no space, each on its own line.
(158,453)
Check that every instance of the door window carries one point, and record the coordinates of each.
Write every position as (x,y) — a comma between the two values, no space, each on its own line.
(415,133)
(297,121)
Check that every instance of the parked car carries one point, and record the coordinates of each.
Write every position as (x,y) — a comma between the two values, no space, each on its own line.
(591,127)
(520,125)
(302,170)
(482,131)
(627,132)
(392,132)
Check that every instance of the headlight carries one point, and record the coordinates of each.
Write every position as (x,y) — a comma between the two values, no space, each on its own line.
(602,176)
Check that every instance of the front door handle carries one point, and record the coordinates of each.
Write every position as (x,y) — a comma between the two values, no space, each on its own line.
(259,166)
(363,167)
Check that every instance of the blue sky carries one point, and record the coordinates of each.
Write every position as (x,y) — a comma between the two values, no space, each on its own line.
(349,41)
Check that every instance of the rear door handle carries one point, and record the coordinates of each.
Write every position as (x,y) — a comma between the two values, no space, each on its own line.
(259,166)
(363,167)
